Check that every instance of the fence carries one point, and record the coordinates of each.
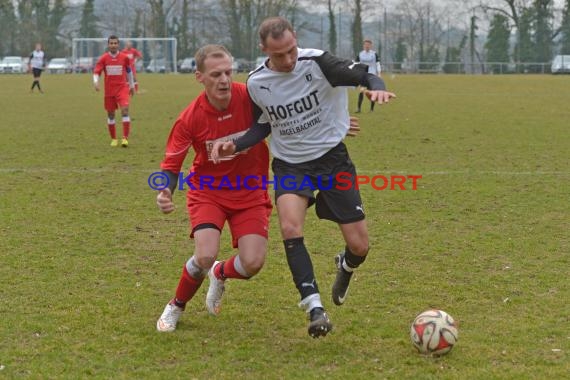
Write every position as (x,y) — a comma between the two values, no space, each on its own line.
(467,68)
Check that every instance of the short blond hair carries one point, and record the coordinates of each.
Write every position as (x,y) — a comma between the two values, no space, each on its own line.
(217,51)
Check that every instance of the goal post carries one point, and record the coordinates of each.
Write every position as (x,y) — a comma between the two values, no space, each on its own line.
(159,54)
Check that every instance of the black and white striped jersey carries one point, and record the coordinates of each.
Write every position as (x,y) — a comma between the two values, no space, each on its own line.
(307,107)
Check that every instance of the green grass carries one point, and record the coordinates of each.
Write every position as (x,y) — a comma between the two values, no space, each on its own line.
(88,262)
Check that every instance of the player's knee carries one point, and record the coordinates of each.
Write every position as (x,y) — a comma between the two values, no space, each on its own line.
(205,261)
(359,248)
(253,265)
(290,230)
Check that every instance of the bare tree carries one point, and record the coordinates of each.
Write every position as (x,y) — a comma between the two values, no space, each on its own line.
(243,17)
(421,31)
(159,11)
(357,28)
(332,27)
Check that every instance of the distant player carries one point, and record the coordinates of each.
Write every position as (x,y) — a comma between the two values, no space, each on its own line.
(36,64)
(134,55)
(119,83)
(370,58)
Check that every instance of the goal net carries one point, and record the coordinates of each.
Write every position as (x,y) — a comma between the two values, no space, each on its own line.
(159,54)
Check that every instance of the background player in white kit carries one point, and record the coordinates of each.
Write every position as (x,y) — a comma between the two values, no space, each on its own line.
(36,63)
(370,58)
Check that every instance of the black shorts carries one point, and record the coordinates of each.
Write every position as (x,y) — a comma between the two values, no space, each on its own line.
(37,72)
(338,201)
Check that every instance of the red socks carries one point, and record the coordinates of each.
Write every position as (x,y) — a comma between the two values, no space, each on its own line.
(187,287)
(112,129)
(227,269)
(126,126)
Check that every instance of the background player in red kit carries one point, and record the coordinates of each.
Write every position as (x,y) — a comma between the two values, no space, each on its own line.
(222,112)
(119,83)
(134,55)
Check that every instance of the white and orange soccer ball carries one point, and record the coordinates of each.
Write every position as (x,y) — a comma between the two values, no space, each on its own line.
(434,332)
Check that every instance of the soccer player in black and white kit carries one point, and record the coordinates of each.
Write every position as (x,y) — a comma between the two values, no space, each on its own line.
(36,63)
(300,98)
(370,58)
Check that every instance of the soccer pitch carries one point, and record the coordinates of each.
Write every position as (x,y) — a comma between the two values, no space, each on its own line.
(88,262)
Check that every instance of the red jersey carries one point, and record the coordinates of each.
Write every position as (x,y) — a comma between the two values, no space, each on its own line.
(200,125)
(115,69)
(133,54)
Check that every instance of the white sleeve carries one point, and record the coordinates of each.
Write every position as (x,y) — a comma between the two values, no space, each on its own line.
(131,79)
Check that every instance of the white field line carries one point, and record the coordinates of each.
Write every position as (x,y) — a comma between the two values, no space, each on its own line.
(384,172)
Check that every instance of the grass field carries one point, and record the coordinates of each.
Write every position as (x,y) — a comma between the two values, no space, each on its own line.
(88,262)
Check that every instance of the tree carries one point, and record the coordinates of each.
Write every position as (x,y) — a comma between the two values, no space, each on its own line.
(401,54)
(55,17)
(35,22)
(138,27)
(8,24)
(158,18)
(512,12)
(242,18)
(525,45)
(184,37)
(565,30)
(236,16)
(357,28)
(332,28)
(472,39)
(419,27)
(533,22)
(543,30)
(497,44)
(88,28)
(453,58)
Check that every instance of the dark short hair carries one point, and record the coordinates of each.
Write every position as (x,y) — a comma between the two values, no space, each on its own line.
(112,37)
(274,27)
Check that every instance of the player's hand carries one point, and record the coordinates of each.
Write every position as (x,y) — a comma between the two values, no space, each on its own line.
(132,91)
(222,149)
(164,201)
(354,129)
(96,86)
(379,96)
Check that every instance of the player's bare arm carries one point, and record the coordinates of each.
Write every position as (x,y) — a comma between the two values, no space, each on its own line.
(379,96)
(131,80)
(96,82)
(341,72)
(164,201)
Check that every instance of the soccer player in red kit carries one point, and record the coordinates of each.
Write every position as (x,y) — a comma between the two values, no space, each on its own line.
(134,55)
(119,83)
(220,113)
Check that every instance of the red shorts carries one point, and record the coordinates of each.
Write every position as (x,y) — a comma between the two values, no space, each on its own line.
(119,100)
(249,215)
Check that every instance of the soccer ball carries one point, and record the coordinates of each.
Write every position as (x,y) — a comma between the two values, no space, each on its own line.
(434,332)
